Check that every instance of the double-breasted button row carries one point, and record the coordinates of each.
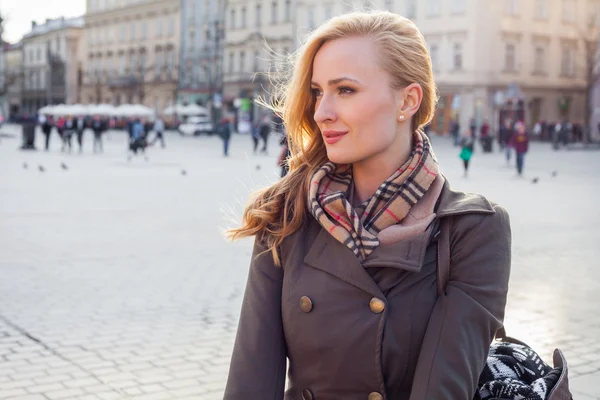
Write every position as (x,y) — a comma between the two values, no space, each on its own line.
(376,305)
(375,396)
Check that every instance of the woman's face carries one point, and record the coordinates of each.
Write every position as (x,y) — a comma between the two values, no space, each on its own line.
(356,108)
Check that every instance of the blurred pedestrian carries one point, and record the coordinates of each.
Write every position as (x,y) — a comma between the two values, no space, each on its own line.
(98,127)
(80,128)
(455,131)
(520,142)
(46,122)
(138,139)
(265,131)
(466,153)
(255,136)
(224,131)
(68,131)
(159,128)
(505,135)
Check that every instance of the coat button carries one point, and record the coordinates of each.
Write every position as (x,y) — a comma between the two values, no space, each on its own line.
(306,304)
(307,395)
(377,305)
(375,396)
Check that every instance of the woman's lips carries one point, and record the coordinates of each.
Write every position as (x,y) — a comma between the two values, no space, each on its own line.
(332,137)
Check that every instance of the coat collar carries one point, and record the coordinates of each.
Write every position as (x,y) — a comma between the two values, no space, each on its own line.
(328,255)
(453,202)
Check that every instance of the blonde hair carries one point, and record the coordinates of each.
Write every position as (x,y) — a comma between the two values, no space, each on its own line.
(278,211)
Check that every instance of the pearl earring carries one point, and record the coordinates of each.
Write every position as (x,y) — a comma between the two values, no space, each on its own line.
(402,118)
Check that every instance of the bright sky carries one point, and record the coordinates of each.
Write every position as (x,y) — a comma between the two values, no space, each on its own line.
(18,14)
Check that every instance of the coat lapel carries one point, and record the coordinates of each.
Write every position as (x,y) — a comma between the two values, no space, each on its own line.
(407,254)
(332,257)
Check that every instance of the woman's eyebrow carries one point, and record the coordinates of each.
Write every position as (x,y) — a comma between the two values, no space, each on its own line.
(336,81)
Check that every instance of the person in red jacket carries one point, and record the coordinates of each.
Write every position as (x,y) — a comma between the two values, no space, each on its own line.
(520,142)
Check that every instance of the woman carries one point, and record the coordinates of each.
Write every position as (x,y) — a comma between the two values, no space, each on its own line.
(342,283)
(466,153)
(520,142)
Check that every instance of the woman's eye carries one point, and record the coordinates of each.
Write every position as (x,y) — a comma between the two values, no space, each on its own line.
(346,90)
(316,92)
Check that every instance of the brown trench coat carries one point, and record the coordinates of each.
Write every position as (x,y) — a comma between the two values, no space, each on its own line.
(376,330)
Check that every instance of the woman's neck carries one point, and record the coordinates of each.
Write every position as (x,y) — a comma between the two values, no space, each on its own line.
(370,173)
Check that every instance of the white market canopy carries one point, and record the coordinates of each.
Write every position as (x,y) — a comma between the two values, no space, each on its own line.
(133,110)
(124,110)
(190,109)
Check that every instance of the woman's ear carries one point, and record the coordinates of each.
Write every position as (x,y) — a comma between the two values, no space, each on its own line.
(411,97)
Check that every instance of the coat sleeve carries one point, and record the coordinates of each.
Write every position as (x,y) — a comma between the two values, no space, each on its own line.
(258,363)
(465,319)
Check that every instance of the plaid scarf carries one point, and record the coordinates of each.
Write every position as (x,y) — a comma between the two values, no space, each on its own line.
(330,187)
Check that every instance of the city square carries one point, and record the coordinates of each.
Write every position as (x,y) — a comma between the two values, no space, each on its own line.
(117,281)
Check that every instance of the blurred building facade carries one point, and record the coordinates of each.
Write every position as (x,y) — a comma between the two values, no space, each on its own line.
(258,33)
(13,77)
(131,52)
(50,64)
(491,59)
(200,64)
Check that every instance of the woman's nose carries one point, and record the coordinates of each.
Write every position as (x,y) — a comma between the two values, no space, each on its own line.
(324,111)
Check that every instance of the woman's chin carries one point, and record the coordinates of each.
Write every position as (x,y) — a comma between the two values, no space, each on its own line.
(339,155)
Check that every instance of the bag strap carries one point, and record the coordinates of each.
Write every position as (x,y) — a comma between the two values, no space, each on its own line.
(443,255)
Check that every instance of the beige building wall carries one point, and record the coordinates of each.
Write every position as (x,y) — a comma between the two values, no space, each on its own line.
(131,52)
(480,50)
(49,63)
(13,77)
(257,35)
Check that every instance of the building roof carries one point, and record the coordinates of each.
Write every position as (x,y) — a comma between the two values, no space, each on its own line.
(54,25)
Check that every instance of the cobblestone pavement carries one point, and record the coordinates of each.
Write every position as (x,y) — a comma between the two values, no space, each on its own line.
(116,281)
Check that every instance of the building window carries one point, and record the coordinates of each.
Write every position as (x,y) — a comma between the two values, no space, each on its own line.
(159,27)
(458,6)
(256,61)
(258,15)
(288,10)
(594,11)
(132,31)
(143,30)
(434,8)
(244,18)
(39,54)
(457,56)
(567,64)
(242,61)
(388,5)
(121,64)
(434,54)
(123,31)
(231,61)
(232,19)
(568,10)
(410,9)
(311,18)
(510,7)
(274,10)
(509,57)
(159,60)
(539,62)
(328,11)
(541,9)
(58,45)
(171,25)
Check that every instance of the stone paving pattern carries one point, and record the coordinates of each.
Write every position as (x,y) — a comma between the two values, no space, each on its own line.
(116,281)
